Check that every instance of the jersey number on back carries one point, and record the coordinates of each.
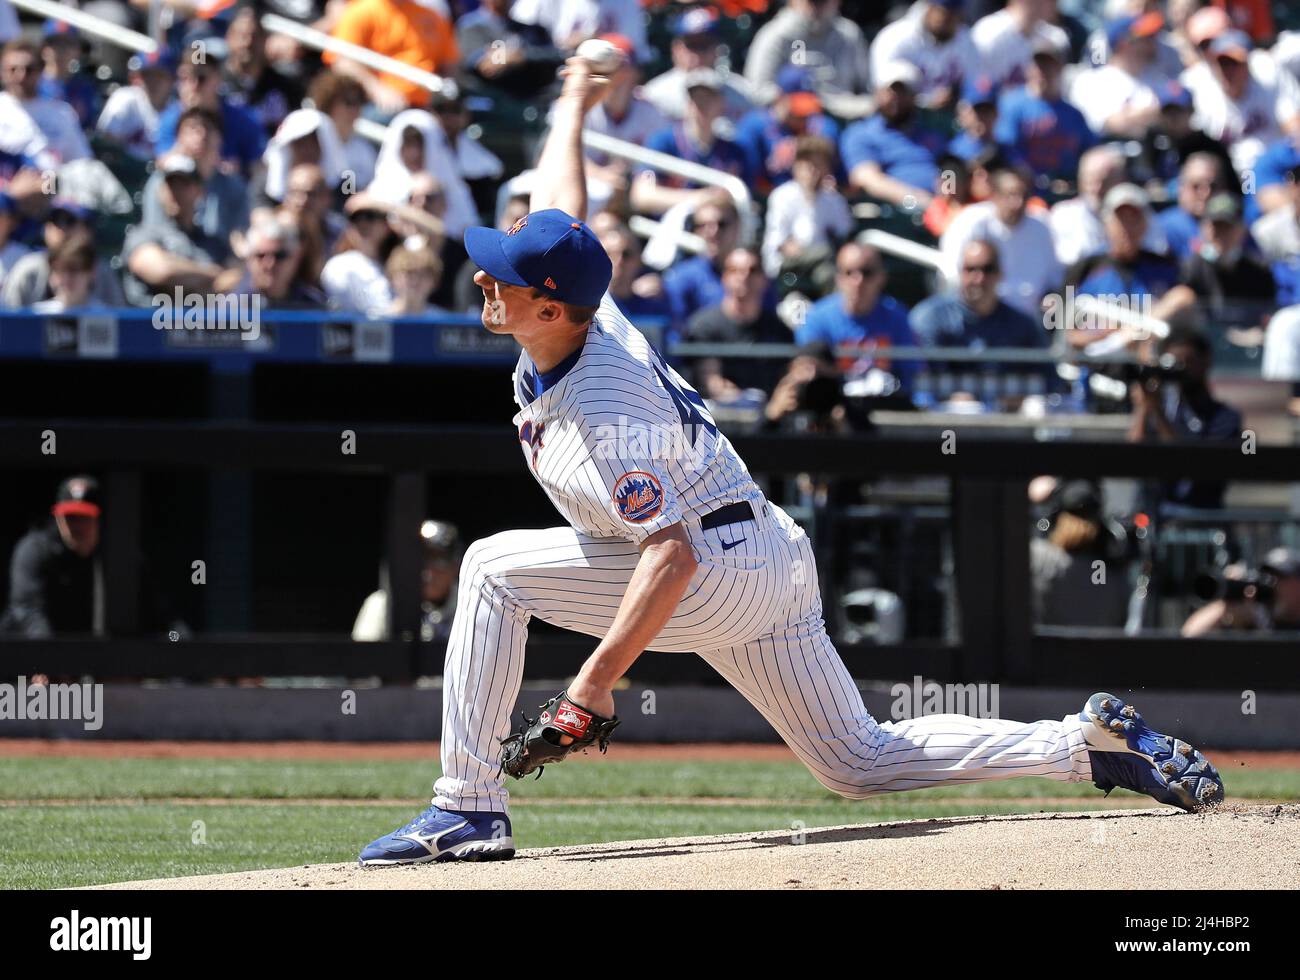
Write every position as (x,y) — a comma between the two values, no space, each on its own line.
(690,406)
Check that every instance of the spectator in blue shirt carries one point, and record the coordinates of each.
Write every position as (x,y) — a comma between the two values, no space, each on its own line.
(638,292)
(693,139)
(1201,178)
(977,115)
(62,48)
(976,317)
(890,155)
(1272,183)
(859,313)
(694,283)
(1037,125)
(242,138)
(768,136)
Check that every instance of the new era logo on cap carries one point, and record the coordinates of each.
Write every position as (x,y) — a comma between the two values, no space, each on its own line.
(547,250)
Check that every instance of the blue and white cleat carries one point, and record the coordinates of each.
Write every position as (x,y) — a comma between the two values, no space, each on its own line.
(443,835)
(1126,752)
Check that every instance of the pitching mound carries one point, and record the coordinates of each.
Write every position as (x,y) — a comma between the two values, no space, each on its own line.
(1236,846)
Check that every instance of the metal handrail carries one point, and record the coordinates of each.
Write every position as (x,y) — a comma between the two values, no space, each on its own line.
(655,160)
(106,30)
(354,52)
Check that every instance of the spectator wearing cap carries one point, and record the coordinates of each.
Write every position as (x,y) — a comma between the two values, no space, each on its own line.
(695,138)
(695,45)
(570,22)
(1279,608)
(65,78)
(503,53)
(1062,563)
(1240,103)
(892,156)
(859,312)
(11,252)
(72,274)
(173,253)
(1035,122)
(977,115)
(1201,178)
(29,281)
(1005,39)
(1220,269)
(1125,269)
(354,278)
(418,34)
(1278,237)
(198,85)
(1076,222)
(807,218)
(932,37)
(975,316)
(833,47)
(273,271)
(637,292)
(224,205)
(1169,59)
(440,543)
(1119,98)
(741,317)
(768,136)
(20,73)
(251,80)
(130,116)
(52,570)
(1024,241)
(1173,140)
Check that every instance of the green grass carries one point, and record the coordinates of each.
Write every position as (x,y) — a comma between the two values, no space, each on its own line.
(47,844)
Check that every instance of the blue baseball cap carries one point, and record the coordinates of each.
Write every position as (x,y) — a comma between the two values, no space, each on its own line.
(795,78)
(1123,29)
(548,250)
(979,90)
(54,27)
(701,20)
(163,59)
(1173,94)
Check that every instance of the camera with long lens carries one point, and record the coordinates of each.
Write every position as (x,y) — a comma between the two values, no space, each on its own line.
(1256,586)
(1166,368)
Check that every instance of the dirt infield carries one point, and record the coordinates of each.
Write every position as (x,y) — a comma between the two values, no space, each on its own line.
(1233,847)
(1225,759)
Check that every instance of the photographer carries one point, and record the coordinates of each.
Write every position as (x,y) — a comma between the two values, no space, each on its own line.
(1266,600)
(1078,569)
(1172,402)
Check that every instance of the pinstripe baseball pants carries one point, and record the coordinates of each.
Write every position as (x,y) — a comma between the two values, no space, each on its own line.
(753,611)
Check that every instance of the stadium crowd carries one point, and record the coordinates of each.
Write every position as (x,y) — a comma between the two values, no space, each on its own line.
(1138,151)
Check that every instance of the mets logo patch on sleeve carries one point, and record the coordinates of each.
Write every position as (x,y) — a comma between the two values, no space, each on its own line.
(638,497)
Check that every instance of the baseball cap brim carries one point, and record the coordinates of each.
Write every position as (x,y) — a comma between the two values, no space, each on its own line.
(484,248)
(77,508)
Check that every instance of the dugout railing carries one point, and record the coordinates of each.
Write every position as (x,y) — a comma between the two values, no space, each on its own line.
(990,516)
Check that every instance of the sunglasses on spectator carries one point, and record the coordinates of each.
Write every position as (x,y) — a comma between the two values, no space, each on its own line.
(279,255)
(720,224)
(699,44)
(988,268)
(865,271)
(196,75)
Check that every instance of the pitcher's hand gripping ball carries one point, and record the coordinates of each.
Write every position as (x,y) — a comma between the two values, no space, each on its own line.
(537,744)
(605,58)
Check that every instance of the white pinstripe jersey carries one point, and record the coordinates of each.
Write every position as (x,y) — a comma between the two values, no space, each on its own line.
(622,445)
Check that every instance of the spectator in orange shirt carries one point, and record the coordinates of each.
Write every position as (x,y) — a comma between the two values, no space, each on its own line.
(413,31)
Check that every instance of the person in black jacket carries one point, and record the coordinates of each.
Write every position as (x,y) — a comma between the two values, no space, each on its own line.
(52,573)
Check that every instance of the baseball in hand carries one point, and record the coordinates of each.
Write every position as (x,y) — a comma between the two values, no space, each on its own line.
(605,59)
